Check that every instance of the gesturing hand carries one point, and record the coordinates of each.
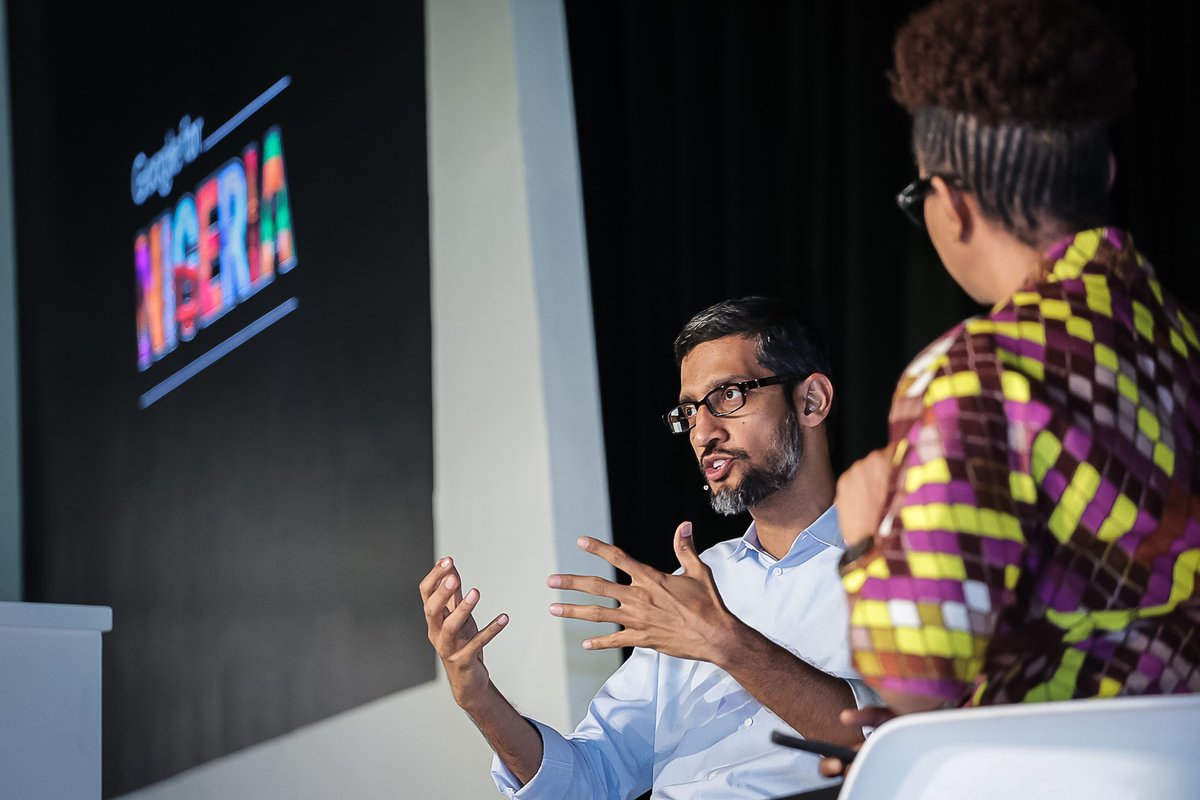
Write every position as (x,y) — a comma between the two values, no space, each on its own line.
(861,493)
(452,630)
(677,615)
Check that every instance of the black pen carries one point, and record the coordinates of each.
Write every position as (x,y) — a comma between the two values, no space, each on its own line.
(844,754)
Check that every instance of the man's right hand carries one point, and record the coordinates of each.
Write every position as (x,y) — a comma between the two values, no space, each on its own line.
(453,633)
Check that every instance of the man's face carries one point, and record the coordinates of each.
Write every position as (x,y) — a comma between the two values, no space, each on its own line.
(750,454)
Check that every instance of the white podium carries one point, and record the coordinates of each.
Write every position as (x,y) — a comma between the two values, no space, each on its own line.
(50,700)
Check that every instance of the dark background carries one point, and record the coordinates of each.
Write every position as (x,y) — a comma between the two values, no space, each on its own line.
(258,531)
(751,148)
(726,149)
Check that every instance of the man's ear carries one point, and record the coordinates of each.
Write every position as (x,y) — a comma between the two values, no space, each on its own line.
(957,209)
(813,398)
(1112,170)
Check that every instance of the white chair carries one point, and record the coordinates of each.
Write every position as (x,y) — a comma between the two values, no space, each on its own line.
(1136,747)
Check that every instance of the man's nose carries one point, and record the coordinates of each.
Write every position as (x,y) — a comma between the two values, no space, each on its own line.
(708,429)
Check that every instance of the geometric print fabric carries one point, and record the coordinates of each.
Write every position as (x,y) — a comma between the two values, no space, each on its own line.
(1042,533)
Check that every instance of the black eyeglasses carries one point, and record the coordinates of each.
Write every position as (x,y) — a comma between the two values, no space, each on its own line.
(912,196)
(721,401)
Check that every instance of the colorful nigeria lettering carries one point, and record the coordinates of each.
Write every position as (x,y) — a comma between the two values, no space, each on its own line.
(221,244)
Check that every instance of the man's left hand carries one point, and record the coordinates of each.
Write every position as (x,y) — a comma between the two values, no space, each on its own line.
(677,615)
(857,718)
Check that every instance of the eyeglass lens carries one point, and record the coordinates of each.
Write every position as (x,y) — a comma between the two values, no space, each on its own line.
(721,401)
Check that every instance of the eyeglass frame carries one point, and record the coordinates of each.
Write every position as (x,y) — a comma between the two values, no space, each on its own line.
(745,387)
(916,192)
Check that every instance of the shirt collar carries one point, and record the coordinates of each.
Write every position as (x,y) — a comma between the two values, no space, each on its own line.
(1067,258)
(824,529)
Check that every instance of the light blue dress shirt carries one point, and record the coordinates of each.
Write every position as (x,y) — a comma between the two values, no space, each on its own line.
(688,729)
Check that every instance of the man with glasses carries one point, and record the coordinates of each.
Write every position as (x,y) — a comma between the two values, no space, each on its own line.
(748,637)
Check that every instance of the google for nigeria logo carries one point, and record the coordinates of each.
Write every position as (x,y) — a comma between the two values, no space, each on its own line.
(217,246)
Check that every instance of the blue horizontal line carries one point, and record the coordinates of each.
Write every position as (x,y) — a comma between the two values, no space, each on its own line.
(220,351)
(260,101)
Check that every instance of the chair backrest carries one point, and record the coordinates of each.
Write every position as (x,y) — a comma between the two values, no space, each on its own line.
(1137,747)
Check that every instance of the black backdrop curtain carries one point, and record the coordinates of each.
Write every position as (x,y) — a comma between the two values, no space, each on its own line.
(744,148)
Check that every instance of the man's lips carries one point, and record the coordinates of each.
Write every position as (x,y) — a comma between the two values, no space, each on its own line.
(717,467)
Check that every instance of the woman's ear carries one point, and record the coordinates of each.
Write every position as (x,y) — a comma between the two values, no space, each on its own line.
(951,202)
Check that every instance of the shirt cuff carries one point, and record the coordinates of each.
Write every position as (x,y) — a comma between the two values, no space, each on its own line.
(864,697)
(553,777)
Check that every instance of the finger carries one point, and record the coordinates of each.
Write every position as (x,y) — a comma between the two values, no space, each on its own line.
(685,550)
(590,584)
(618,558)
(430,581)
(436,603)
(457,597)
(610,642)
(871,716)
(587,613)
(831,767)
(472,648)
(459,616)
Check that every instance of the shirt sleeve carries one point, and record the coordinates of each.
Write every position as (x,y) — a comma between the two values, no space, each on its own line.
(610,755)
(947,557)
(864,695)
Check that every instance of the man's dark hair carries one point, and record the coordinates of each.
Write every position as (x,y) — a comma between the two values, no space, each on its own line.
(1014,97)
(785,342)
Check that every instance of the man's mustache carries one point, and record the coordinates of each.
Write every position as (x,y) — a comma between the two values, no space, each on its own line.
(712,449)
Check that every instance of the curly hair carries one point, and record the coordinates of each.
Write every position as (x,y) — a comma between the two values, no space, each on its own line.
(1013,97)
(1045,63)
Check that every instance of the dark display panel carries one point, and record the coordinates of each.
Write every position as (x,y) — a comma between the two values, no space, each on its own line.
(223,283)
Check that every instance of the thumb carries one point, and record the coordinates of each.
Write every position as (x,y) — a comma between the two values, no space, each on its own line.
(831,767)
(685,549)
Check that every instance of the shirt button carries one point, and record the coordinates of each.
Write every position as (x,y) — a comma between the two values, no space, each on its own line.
(779,570)
(749,721)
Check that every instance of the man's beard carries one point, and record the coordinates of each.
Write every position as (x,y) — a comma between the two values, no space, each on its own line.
(760,482)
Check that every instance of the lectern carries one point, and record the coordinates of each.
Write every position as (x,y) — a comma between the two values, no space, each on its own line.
(50,700)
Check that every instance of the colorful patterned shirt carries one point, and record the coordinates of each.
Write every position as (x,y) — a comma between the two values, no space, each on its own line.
(1041,539)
